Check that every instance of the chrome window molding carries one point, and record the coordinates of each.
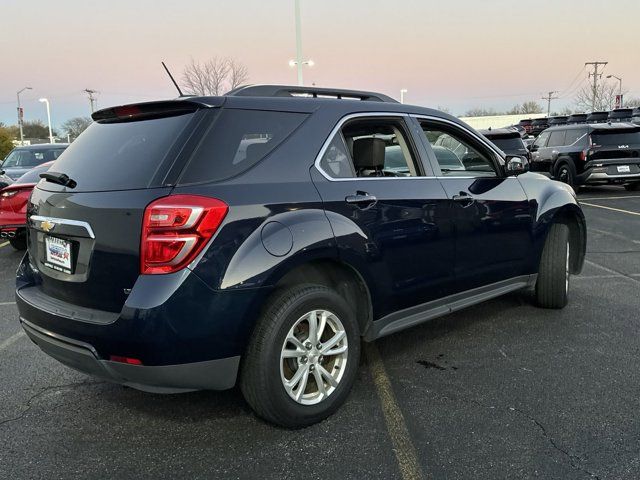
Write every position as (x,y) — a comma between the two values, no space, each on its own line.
(337,129)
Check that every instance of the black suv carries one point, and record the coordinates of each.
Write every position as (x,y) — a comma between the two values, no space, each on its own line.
(538,125)
(593,154)
(636,116)
(621,115)
(577,118)
(508,140)
(597,117)
(260,236)
(559,120)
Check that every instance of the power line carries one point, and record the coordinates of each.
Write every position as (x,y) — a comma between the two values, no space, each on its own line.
(571,85)
(93,101)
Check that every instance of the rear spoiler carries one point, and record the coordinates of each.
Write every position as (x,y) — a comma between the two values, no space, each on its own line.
(147,110)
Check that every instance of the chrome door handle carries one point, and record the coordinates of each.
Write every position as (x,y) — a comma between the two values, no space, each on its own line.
(361,200)
(464,199)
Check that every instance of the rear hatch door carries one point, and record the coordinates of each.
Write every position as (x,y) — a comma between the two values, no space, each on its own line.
(84,242)
(616,148)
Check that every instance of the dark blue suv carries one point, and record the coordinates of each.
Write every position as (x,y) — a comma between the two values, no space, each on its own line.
(260,236)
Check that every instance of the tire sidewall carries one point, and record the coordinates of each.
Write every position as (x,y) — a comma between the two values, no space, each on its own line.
(571,172)
(316,299)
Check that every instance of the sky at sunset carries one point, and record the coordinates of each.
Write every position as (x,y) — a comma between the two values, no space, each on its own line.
(456,54)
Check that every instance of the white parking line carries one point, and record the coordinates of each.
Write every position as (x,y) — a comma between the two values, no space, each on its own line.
(2,304)
(612,272)
(4,244)
(614,235)
(609,198)
(610,208)
(11,340)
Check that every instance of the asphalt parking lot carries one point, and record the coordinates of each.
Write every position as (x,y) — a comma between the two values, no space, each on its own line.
(500,390)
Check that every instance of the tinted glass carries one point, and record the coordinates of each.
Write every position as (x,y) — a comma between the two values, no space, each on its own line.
(31,157)
(630,137)
(336,160)
(33,175)
(572,136)
(120,156)
(456,154)
(508,143)
(542,139)
(556,139)
(236,140)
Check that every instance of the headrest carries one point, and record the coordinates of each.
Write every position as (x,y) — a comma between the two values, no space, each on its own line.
(368,153)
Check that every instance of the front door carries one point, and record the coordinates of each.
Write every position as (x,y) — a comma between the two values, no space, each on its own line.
(390,216)
(491,212)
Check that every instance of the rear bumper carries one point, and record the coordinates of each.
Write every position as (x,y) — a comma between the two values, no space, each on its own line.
(217,374)
(606,171)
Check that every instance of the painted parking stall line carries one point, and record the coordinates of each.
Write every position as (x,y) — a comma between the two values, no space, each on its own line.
(610,208)
(11,340)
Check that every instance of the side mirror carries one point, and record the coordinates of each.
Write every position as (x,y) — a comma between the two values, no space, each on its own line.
(515,165)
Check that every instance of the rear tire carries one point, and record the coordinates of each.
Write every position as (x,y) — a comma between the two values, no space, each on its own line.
(552,286)
(272,360)
(19,242)
(566,173)
(632,187)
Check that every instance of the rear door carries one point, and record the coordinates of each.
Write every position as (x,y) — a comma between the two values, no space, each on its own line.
(491,212)
(84,241)
(391,216)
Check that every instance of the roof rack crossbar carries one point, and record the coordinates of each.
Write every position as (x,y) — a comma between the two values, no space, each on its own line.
(315,92)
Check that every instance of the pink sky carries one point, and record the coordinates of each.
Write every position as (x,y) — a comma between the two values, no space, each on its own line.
(456,54)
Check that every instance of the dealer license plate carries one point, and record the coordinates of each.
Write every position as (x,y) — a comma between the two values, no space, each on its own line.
(624,169)
(58,254)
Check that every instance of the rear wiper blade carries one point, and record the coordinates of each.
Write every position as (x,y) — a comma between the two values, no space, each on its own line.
(59,178)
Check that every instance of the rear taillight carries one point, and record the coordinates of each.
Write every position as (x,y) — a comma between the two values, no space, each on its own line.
(583,155)
(175,229)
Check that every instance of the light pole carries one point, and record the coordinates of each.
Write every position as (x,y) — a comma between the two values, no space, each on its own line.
(20,115)
(46,101)
(402,92)
(298,62)
(620,82)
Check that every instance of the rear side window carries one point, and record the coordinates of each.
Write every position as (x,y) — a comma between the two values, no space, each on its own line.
(556,139)
(122,155)
(573,136)
(236,140)
(508,143)
(619,138)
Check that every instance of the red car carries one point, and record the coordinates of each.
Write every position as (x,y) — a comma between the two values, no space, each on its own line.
(13,206)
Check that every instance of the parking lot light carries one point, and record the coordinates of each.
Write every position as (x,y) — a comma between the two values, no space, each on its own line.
(46,101)
(620,88)
(20,114)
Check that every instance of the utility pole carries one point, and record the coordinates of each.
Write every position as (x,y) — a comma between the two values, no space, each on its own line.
(298,42)
(548,98)
(595,76)
(92,100)
(21,115)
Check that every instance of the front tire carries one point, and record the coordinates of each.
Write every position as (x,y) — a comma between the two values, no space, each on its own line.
(552,286)
(302,358)
(632,187)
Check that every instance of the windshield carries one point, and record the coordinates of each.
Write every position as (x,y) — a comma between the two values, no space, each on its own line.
(508,143)
(30,157)
(628,137)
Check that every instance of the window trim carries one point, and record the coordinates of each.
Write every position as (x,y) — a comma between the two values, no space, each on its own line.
(497,154)
(420,162)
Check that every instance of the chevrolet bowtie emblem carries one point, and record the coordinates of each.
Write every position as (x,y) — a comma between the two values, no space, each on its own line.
(47,226)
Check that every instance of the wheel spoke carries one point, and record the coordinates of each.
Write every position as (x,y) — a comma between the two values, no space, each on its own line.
(335,351)
(323,323)
(321,388)
(302,371)
(303,383)
(313,327)
(333,341)
(332,381)
(292,339)
(288,353)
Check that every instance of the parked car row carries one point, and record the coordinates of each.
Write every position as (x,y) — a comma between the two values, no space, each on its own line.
(536,126)
(259,237)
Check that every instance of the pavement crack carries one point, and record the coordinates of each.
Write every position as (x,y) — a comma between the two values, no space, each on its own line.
(30,401)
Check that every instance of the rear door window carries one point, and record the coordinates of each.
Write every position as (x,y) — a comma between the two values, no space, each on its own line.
(556,139)
(573,136)
(120,155)
(236,140)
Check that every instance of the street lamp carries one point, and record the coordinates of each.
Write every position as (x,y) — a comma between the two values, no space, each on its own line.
(620,81)
(46,101)
(298,62)
(20,115)
(402,92)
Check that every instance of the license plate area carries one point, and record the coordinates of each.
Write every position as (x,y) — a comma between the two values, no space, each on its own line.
(58,254)
(624,169)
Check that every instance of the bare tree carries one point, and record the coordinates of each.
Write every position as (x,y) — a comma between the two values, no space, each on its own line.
(214,76)
(605,97)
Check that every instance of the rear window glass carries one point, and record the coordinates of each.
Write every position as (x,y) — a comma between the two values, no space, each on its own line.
(236,140)
(120,156)
(631,137)
(31,157)
(508,143)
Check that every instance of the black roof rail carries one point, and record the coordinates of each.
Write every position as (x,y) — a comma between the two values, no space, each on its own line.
(315,92)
